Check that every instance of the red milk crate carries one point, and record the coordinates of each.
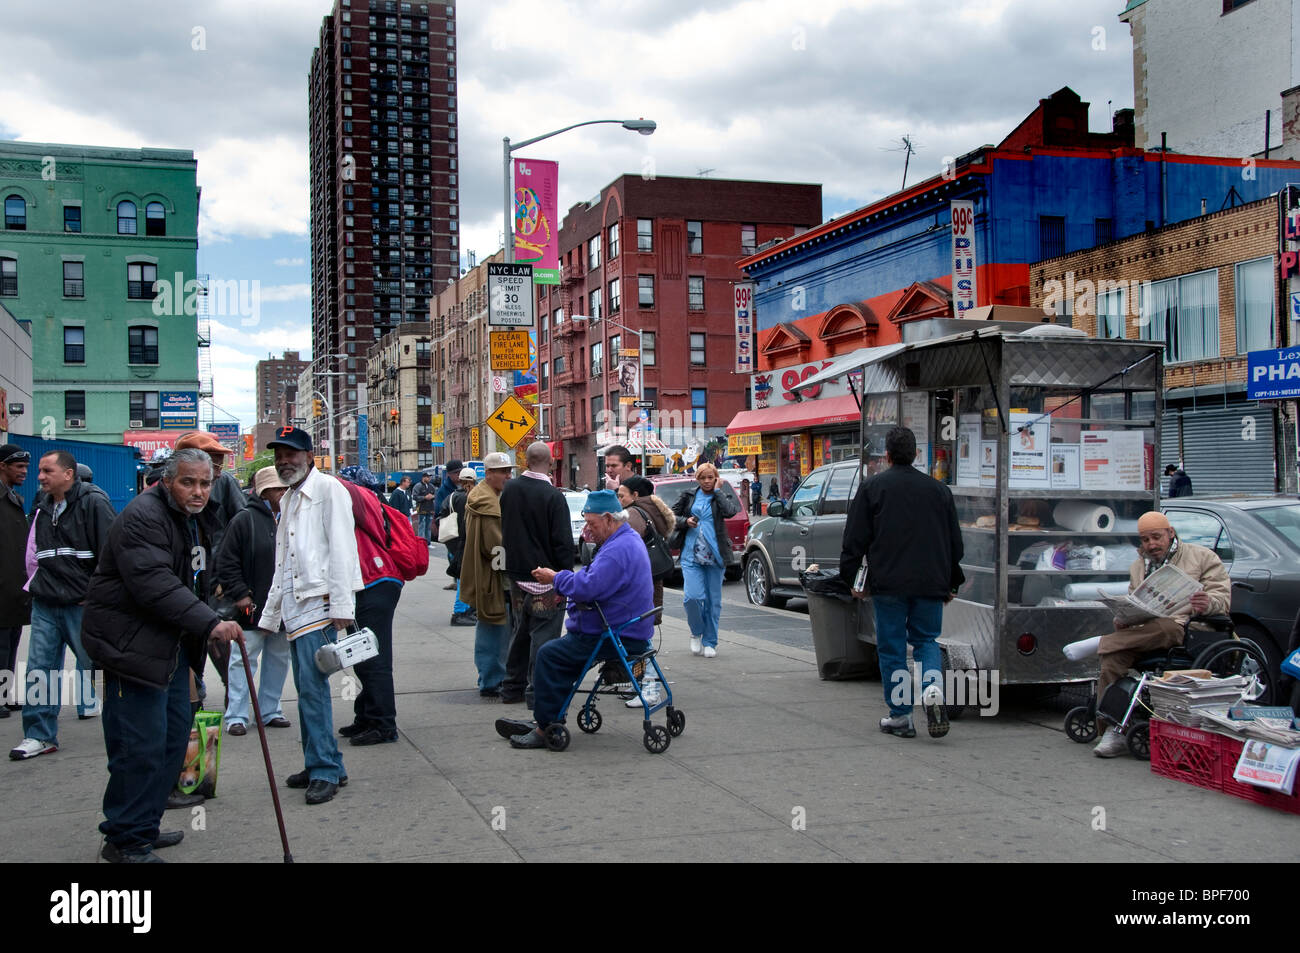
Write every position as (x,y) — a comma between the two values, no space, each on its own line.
(1229,754)
(1186,754)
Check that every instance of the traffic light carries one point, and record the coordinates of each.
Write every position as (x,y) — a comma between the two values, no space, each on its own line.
(392,415)
(316,407)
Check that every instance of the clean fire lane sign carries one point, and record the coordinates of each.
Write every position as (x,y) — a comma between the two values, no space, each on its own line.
(510,350)
(510,295)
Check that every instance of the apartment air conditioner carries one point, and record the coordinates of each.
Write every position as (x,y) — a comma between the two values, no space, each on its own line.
(75,423)
(136,424)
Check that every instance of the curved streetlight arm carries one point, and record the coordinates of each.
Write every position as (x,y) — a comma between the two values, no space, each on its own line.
(643,126)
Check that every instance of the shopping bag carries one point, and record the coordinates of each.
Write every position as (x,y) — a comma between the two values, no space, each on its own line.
(203,756)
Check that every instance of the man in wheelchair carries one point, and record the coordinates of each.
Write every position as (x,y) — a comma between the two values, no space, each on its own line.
(619,578)
(1158,544)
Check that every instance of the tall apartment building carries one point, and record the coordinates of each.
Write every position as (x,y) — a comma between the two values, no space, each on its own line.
(383,155)
(462,373)
(400,396)
(98,252)
(277,390)
(656,256)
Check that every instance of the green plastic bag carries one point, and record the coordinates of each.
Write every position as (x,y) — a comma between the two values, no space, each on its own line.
(203,757)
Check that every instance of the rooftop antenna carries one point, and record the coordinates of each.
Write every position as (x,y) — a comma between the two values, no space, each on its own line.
(703,172)
(908,146)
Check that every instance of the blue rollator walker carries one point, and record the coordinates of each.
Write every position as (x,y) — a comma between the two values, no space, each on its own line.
(655,737)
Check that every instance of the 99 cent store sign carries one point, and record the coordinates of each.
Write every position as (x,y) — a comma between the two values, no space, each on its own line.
(510,295)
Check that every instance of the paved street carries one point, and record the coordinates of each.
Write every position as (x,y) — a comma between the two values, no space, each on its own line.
(768,748)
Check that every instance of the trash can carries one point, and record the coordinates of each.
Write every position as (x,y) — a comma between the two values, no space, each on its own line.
(836,619)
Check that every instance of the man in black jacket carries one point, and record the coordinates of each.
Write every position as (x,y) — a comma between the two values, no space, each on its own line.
(537,533)
(72,523)
(905,524)
(15,603)
(1180,484)
(245,567)
(146,617)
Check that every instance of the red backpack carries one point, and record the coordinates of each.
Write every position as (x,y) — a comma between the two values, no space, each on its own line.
(386,544)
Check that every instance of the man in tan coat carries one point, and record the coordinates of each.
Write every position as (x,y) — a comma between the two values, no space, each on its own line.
(1159,546)
(482,582)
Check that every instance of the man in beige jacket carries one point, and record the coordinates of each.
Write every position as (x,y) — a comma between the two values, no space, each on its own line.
(1159,545)
(482,581)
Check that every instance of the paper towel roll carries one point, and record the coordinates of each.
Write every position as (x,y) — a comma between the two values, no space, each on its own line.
(1078,650)
(1087,591)
(1082,516)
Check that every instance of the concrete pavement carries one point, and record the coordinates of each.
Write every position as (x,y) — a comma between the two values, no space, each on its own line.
(774,765)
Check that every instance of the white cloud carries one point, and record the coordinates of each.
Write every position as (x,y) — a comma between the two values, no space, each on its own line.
(299,292)
(290,262)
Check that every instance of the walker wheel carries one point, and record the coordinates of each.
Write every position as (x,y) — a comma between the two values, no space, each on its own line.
(589,720)
(676,721)
(1139,741)
(1081,725)
(657,739)
(557,737)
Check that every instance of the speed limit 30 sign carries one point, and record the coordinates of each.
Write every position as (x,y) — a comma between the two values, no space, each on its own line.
(510,295)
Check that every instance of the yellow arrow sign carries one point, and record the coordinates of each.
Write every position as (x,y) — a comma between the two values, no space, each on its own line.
(511,421)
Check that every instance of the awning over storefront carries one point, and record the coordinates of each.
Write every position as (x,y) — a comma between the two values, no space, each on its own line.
(633,442)
(847,363)
(826,411)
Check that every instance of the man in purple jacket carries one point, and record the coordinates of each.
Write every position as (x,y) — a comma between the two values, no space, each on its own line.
(619,577)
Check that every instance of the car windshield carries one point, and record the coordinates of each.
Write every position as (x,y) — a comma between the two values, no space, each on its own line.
(1284,519)
(670,492)
(575,501)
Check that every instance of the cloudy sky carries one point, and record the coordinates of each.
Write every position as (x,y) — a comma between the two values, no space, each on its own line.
(789,90)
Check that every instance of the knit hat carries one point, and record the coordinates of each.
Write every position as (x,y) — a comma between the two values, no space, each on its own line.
(266,478)
(12,453)
(1153,520)
(602,501)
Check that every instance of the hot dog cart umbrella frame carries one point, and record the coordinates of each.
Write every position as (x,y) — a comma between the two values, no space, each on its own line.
(982,403)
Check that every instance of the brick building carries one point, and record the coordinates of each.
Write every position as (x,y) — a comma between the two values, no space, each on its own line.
(656,256)
(400,394)
(277,393)
(1208,288)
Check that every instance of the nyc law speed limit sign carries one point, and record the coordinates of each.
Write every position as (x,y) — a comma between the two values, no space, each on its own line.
(510,295)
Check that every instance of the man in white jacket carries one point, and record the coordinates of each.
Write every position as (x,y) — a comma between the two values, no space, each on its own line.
(317,573)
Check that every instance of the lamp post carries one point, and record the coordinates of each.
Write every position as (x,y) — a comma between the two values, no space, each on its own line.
(329,402)
(644,126)
(640,371)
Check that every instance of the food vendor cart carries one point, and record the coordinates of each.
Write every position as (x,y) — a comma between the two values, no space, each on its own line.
(1049,441)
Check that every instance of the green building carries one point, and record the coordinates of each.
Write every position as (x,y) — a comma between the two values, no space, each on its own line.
(99,252)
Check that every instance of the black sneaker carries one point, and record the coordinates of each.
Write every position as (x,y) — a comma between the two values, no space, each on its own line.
(463,618)
(374,736)
(509,727)
(115,856)
(318,792)
(302,780)
(354,729)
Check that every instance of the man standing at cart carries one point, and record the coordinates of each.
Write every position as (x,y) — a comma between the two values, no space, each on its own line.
(905,525)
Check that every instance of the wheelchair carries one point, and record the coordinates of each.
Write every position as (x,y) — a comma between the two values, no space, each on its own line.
(1209,642)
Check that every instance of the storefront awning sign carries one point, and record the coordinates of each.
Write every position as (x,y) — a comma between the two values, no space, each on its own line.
(744,444)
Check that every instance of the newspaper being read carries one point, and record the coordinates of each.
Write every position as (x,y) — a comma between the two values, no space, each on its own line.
(1164,592)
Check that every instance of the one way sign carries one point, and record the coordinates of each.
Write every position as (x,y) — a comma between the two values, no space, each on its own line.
(511,421)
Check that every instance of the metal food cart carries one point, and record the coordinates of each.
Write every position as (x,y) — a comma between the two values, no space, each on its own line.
(1049,441)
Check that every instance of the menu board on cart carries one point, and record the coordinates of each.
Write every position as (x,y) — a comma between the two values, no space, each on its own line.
(916,417)
(1027,442)
(1112,460)
(968,449)
(988,463)
(1065,466)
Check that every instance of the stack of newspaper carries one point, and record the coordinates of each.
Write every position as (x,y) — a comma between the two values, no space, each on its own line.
(1185,698)
(1274,725)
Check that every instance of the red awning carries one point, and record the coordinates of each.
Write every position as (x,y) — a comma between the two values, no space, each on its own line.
(822,412)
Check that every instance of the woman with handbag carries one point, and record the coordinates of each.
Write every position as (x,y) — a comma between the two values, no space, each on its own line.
(645,510)
(706,552)
(452,521)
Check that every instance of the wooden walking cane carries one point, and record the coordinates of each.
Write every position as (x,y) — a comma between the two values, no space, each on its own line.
(266,752)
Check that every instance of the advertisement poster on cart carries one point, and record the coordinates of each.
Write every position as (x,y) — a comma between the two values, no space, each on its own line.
(968,448)
(1027,441)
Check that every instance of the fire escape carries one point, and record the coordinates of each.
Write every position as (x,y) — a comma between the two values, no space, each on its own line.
(204,327)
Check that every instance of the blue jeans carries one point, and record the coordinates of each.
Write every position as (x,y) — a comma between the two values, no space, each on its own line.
(146,731)
(491,643)
(560,666)
(426,527)
(274,650)
(702,596)
(900,621)
(460,607)
(53,628)
(321,756)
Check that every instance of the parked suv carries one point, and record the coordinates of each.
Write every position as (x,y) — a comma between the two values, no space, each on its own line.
(809,529)
(670,488)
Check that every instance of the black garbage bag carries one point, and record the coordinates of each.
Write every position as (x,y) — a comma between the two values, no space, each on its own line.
(825,582)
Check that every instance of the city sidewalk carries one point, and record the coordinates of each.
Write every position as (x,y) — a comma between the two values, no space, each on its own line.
(774,765)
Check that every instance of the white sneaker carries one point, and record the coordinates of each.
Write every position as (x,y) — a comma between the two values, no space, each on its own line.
(1112,744)
(31,748)
(710,652)
(651,692)
(695,645)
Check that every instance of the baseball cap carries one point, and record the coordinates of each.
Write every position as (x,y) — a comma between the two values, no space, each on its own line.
(201,440)
(467,475)
(494,461)
(291,437)
(12,453)
(454,465)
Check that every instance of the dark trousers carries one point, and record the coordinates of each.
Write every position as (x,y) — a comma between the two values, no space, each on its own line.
(532,630)
(560,664)
(376,706)
(9,639)
(146,731)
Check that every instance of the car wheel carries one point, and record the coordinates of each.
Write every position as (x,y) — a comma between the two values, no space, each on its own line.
(758,583)
(1260,637)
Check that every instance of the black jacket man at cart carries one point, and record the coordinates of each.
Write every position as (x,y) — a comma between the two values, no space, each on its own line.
(905,524)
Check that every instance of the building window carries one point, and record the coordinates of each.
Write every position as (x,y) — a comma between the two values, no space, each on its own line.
(1051,236)
(647,348)
(16,213)
(545,329)
(142,345)
(613,240)
(615,345)
(126,218)
(699,405)
(593,305)
(72,218)
(558,365)
(140,279)
(74,285)
(8,276)
(748,238)
(695,293)
(144,408)
(1184,313)
(1103,230)
(74,408)
(598,414)
(645,237)
(613,296)
(697,347)
(645,291)
(545,368)
(74,345)
(155,219)
(694,238)
(597,355)
(1111,307)
(1255,330)
(593,253)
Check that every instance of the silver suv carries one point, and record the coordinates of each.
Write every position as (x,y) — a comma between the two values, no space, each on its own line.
(791,538)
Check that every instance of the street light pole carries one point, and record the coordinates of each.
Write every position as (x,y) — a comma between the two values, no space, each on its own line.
(645,127)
